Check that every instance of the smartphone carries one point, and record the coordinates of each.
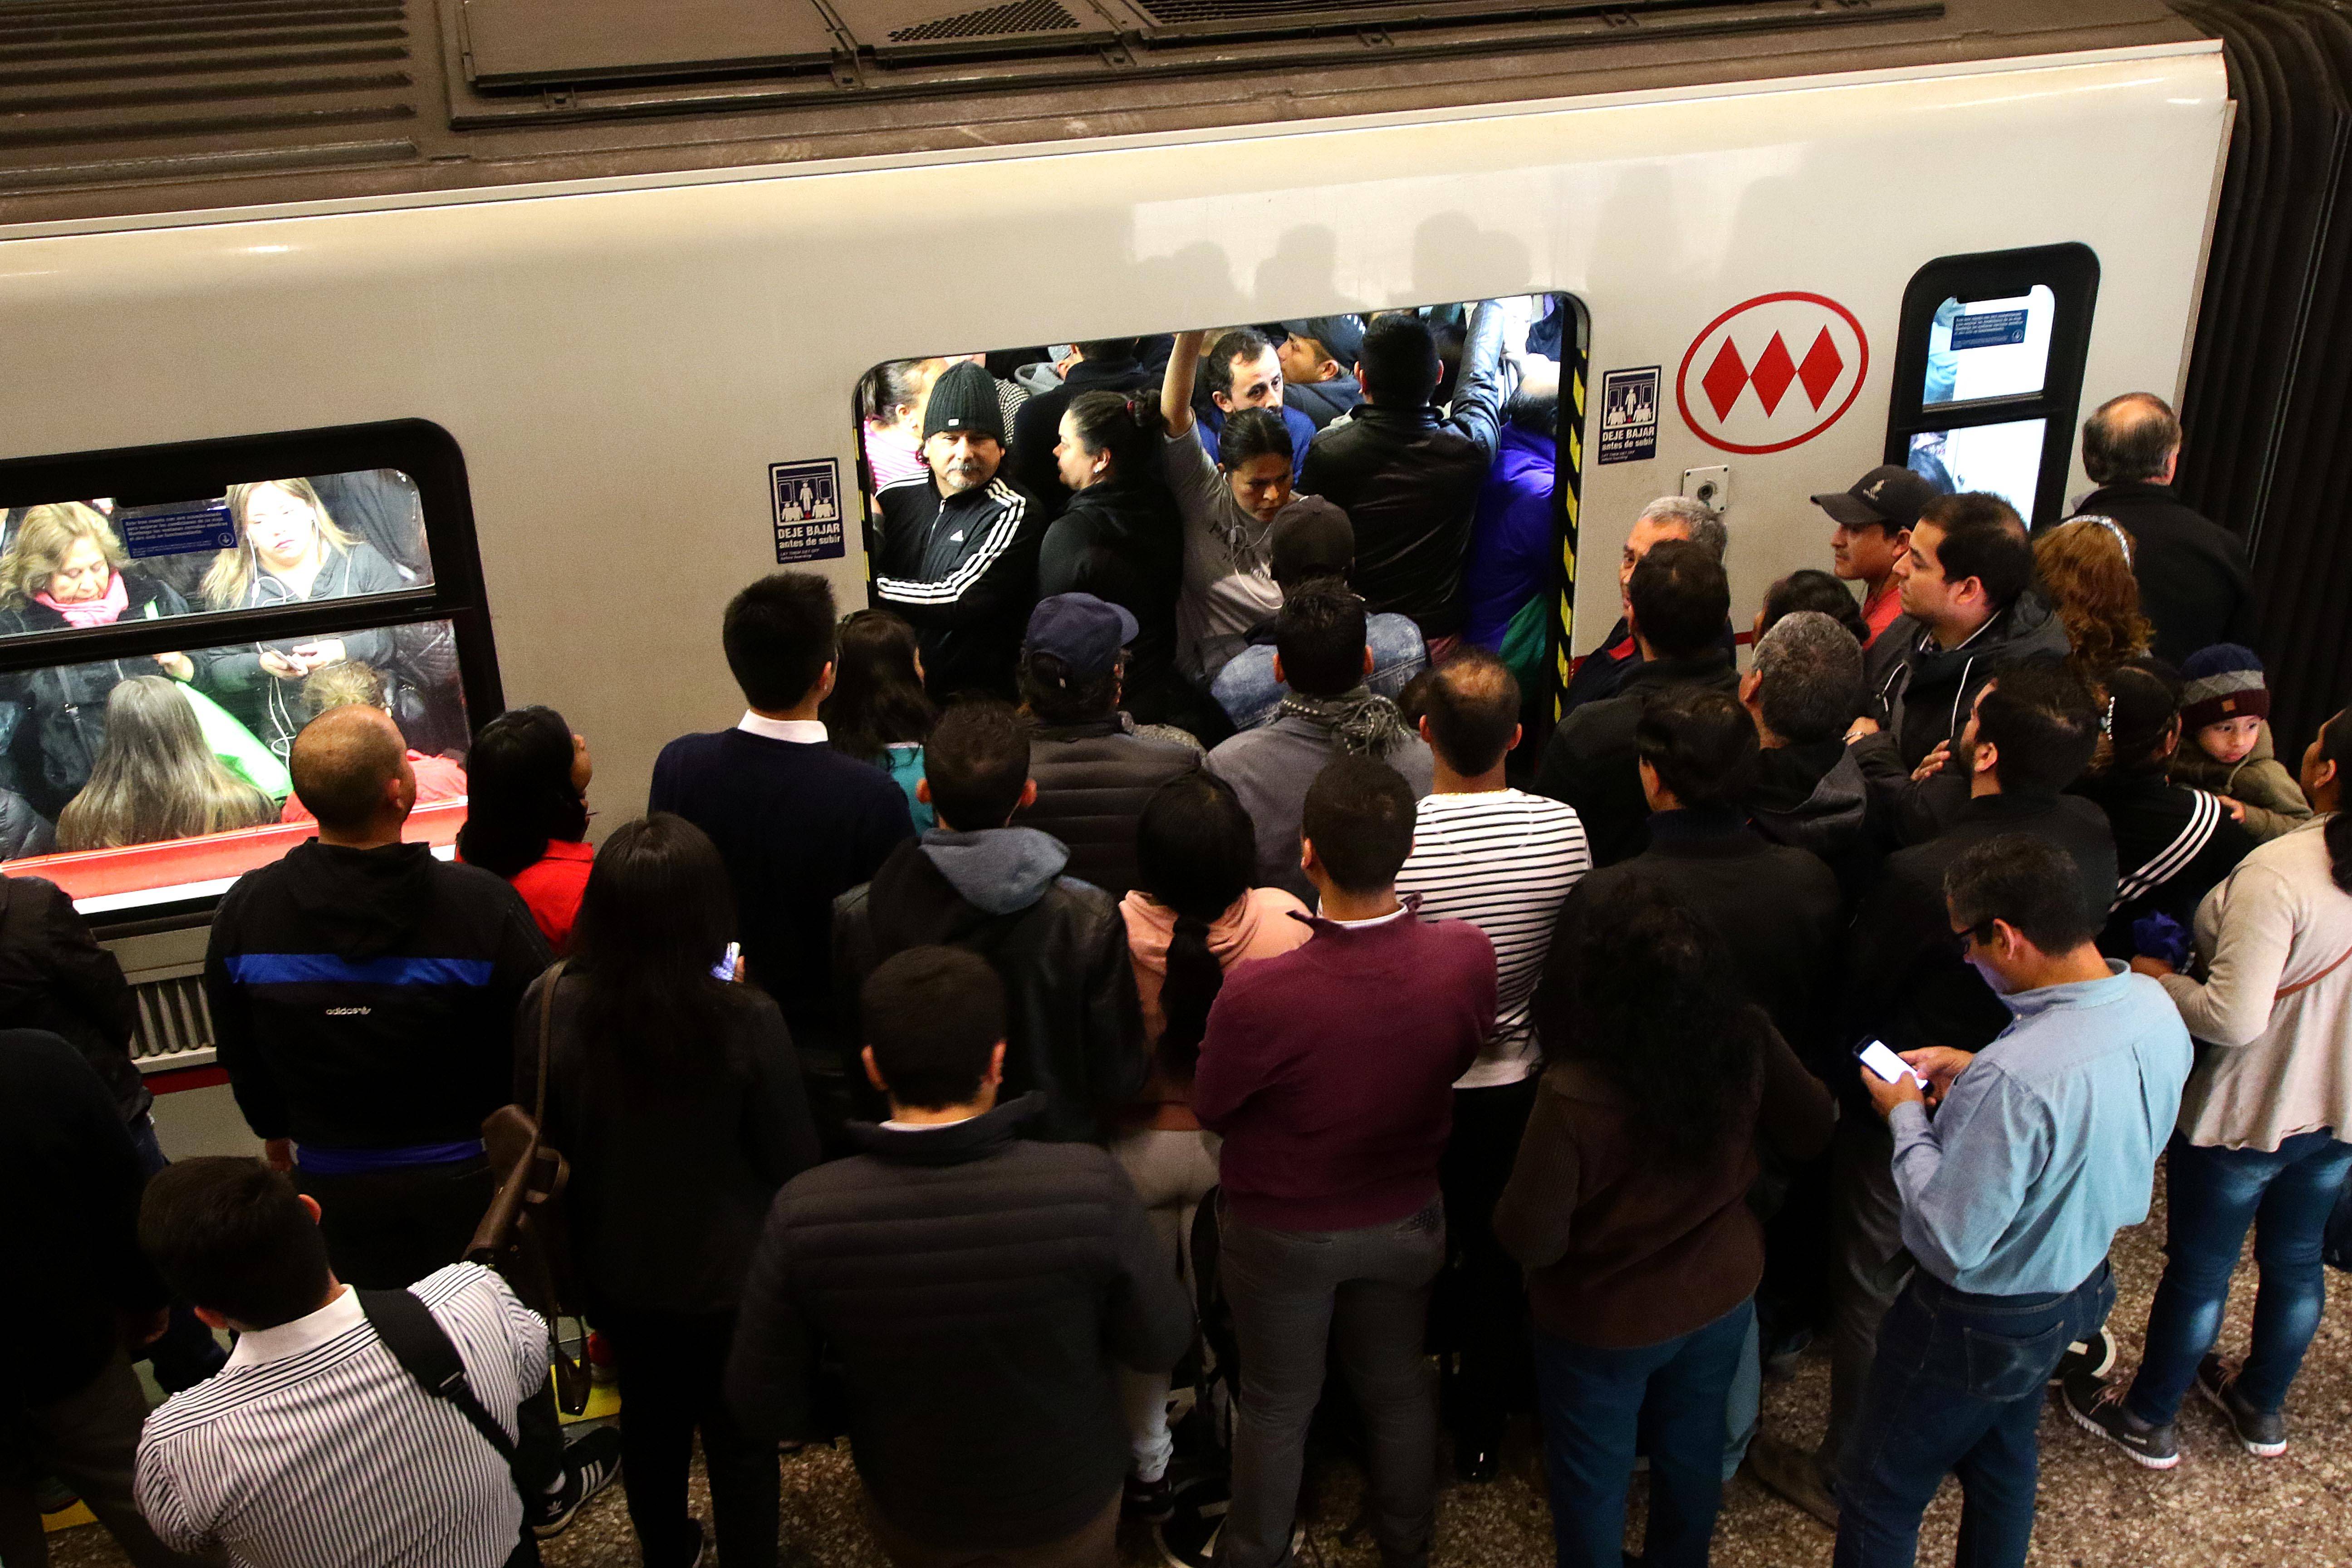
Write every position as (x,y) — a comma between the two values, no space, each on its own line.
(725,968)
(1875,1055)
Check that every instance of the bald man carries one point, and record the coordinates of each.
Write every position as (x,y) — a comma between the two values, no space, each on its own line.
(363,997)
(2194,584)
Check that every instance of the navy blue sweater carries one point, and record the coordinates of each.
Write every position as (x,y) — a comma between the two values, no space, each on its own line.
(798,826)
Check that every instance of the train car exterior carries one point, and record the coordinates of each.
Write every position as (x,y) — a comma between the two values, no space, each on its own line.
(622,364)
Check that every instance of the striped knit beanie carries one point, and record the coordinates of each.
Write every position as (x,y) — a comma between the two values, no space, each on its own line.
(2220,683)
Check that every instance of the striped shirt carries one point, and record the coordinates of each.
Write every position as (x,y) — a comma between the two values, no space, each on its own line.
(1505,862)
(314,1449)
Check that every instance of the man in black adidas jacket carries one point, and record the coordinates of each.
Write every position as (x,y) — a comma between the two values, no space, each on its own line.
(958,551)
(1076,1029)
(978,1289)
(363,996)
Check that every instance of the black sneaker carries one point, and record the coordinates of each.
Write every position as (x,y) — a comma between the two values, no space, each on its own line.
(2095,1356)
(591,1463)
(1190,1537)
(2097,1407)
(2259,1432)
(1150,1501)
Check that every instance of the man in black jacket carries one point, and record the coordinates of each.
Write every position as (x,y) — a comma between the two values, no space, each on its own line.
(977,1288)
(363,996)
(1076,1030)
(2030,735)
(1676,602)
(1776,909)
(1803,690)
(1409,480)
(1601,673)
(958,551)
(2194,583)
(54,977)
(1969,611)
(1093,776)
(81,1293)
(1107,365)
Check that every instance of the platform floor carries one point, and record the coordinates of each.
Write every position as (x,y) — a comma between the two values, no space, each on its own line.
(2221,1508)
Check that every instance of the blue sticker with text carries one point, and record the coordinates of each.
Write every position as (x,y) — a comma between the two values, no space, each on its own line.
(180,529)
(808,497)
(1988,329)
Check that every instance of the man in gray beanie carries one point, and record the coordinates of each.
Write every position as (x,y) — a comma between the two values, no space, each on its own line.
(958,554)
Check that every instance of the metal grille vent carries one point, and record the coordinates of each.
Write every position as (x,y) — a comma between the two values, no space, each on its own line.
(1177,13)
(1022,16)
(175,1026)
(110,72)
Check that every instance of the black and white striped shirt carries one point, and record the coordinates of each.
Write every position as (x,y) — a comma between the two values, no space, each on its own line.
(314,1449)
(1505,862)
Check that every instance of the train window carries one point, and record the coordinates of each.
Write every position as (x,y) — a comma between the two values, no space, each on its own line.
(170,617)
(1206,444)
(1988,373)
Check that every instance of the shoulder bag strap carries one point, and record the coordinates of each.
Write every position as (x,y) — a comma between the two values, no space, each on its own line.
(423,1348)
(546,1033)
(2287,991)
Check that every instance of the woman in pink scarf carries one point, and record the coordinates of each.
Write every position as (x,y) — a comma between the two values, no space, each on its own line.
(1193,916)
(65,569)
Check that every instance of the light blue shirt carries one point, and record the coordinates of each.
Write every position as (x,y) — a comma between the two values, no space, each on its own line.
(2046,1145)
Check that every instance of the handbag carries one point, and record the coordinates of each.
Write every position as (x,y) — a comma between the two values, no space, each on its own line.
(522,1233)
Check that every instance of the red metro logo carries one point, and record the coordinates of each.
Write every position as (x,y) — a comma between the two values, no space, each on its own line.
(1773,372)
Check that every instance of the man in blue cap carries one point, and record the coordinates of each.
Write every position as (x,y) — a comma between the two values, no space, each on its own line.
(1093,771)
(1318,357)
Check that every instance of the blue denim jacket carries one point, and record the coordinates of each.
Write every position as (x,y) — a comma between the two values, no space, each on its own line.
(1247,689)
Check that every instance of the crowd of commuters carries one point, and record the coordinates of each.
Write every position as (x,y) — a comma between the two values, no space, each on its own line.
(1082,1111)
(190,741)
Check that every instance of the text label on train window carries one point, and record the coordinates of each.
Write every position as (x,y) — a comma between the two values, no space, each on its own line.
(1772,373)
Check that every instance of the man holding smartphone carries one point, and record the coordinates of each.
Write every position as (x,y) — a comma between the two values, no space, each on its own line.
(2043,1146)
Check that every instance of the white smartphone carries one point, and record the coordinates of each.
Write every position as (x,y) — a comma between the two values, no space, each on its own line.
(725,968)
(1878,1058)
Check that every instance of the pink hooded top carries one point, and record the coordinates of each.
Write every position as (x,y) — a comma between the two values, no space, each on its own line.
(1258,925)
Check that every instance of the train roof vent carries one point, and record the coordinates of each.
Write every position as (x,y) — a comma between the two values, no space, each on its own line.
(93,89)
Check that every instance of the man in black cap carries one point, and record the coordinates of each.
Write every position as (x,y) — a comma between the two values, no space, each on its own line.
(1873,537)
(1318,367)
(1308,545)
(1093,773)
(958,551)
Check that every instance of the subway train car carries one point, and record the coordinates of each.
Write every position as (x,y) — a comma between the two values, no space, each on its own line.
(583,291)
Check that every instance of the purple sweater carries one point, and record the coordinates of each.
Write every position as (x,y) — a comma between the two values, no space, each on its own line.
(1329,1070)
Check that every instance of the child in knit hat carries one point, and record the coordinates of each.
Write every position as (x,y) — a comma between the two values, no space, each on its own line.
(2225,745)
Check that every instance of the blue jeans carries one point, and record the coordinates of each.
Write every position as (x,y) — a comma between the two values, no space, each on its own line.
(1957,1388)
(2213,1196)
(1670,1397)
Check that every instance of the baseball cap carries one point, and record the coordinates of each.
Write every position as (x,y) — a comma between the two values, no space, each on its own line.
(1082,631)
(1312,542)
(1343,337)
(1885,495)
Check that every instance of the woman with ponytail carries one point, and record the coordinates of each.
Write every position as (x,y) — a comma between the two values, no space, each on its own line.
(1193,916)
(2262,1139)
(1122,541)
